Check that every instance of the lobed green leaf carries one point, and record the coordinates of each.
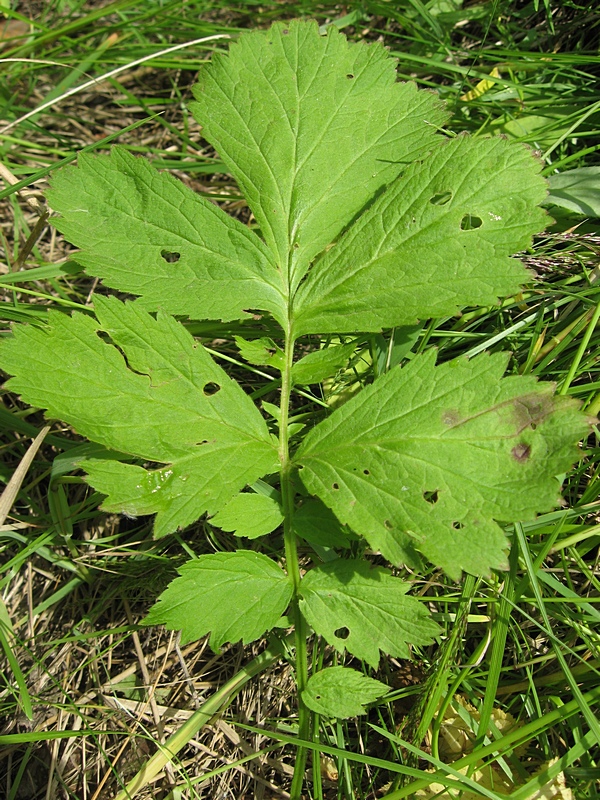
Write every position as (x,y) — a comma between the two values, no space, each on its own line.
(146,233)
(429,458)
(233,596)
(437,239)
(311,127)
(152,392)
(341,692)
(250,515)
(364,610)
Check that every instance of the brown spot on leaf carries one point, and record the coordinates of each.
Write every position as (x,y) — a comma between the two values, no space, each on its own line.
(532,409)
(521,452)
(451,417)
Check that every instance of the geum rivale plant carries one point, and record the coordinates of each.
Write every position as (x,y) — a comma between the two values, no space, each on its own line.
(368,218)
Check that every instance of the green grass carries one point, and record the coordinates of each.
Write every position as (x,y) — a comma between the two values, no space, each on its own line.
(84,691)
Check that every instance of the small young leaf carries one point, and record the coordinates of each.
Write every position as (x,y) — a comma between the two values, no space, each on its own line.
(250,515)
(341,692)
(317,524)
(321,364)
(428,457)
(311,127)
(410,256)
(154,393)
(233,595)
(146,233)
(262,352)
(364,610)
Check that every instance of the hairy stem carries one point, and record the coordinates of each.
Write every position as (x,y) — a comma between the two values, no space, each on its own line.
(292,565)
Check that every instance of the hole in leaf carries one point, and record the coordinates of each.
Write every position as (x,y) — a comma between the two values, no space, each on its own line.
(211,388)
(470,222)
(366,472)
(170,257)
(317,697)
(521,452)
(441,198)
(431,497)
(204,441)
(457,525)
(350,76)
(335,486)
(342,633)
(388,524)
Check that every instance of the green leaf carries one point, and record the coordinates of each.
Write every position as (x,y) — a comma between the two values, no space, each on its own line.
(341,692)
(577,190)
(250,515)
(152,392)
(389,352)
(428,457)
(317,524)
(321,364)
(311,127)
(262,352)
(437,239)
(146,233)
(364,610)
(233,595)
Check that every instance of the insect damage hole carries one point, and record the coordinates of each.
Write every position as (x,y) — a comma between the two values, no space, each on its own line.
(441,198)
(431,497)
(211,388)
(170,257)
(470,222)
(458,526)
(335,486)
(342,633)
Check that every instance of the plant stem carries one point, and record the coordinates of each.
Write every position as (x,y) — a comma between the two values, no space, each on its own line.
(204,714)
(292,565)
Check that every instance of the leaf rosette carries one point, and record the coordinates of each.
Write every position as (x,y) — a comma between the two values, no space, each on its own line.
(367,217)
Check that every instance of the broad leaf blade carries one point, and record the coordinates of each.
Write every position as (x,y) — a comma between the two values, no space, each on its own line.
(417,253)
(577,190)
(341,692)
(321,364)
(286,110)
(428,457)
(250,515)
(235,596)
(166,401)
(318,525)
(262,352)
(146,233)
(364,610)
